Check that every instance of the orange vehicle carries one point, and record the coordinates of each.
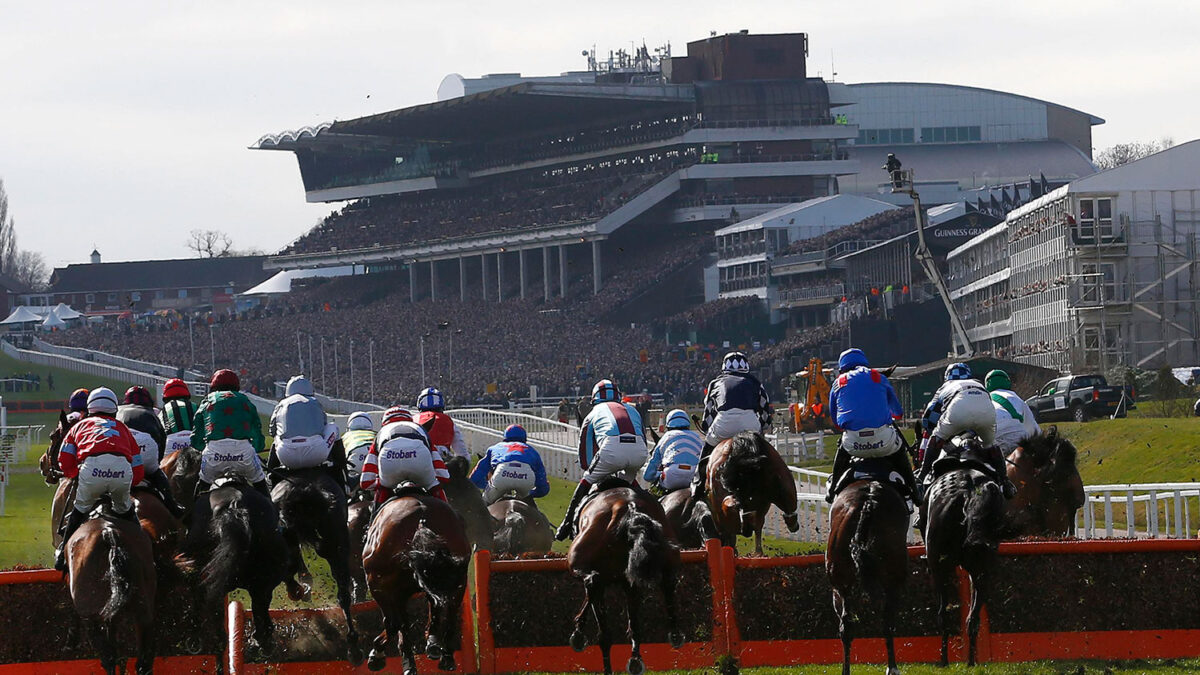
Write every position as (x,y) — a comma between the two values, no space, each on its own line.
(812,414)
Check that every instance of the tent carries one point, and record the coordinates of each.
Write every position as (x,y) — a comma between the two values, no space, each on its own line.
(282,281)
(64,312)
(53,321)
(21,315)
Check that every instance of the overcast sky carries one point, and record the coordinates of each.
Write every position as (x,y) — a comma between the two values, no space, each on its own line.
(125,125)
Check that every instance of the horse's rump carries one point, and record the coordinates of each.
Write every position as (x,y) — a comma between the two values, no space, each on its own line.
(308,500)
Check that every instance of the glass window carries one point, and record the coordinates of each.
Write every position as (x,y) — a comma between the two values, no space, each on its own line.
(159,295)
(1104,217)
(963,134)
(182,293)
(112,297)
(939,135)
(908,135)
(91,298)
(926,134)
(974,134)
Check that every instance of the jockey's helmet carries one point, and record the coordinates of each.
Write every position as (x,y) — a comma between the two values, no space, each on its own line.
(852,358)
(225,380)
(360,421)
(958,371)
(299,385)
(678,419)
(176,388)
(138,395)
(604,391)
(396,414)
(735,362)
(515,433)
(78,400)
(997,379)
(102,400)
(431,399)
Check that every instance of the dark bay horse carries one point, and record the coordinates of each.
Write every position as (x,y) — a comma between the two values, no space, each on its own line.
(234,541)
(866,558)
(417,544)
(358,516)
(691,520)
(625,541)
(1049,488)
(965,511)
(182,469)
(164,530)
(113,587)
(521,527)
(312,511)
(746,476)
(467,501)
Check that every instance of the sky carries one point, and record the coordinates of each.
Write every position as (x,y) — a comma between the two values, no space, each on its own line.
(125,125)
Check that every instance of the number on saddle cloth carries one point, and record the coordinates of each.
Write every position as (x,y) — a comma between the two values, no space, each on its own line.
(872,468)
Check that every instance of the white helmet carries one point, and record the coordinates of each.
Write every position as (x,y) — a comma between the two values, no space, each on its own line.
(360,421)
(102,400)
(299,385)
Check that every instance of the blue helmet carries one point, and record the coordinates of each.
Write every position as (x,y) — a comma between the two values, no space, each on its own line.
(852,358)
(431,399)
(678,419)
(605,390)
(515,433)
(958,371)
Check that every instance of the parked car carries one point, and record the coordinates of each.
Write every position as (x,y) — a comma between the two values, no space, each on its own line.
(1078,398)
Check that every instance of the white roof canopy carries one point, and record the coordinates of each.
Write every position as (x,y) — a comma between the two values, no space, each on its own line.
(21,314)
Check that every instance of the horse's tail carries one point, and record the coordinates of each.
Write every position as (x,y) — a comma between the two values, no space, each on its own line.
(511,536)
(648,547)
(232,526)
(862,542)
(118,575)
(983,510)
(438,571)
(746,463)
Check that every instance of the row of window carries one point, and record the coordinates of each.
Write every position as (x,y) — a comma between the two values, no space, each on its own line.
(136,296)
(903,136)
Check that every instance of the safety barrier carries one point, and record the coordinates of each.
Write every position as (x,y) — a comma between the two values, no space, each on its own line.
(1153,510)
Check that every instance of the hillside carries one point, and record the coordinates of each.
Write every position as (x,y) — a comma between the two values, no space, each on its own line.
(1137,450)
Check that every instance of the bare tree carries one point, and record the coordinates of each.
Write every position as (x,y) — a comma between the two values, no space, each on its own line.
(8,234)
(30,269)
(209,243)
(1124,153)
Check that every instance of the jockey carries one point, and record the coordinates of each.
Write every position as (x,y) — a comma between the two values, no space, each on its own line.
(360,434)
(511,465)
(77,405)
(863,405)
(1014,419)
(228,434)
(444,435)
(676,454)
(736,401)
(402,453)
(961,404)
(304,436)
(176,415)
(137,414)
(612,442)
(102,454)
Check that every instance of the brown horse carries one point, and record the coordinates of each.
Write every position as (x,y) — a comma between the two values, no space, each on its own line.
(624,540)
(113,586)
(165,532)
(358,517)
(691,520)
(182,469)
(48,462)
(417,544)
(521,527)
(467,501)
(866,558)
(1049,488)
(746,476)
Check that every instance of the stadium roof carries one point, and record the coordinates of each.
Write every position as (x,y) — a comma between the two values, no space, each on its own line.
(241,271)
(524,107)
(831,211)
(1092,119)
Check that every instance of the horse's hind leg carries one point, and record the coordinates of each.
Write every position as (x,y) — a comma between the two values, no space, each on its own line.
(260,608)
(633,607)
(297,589)
(758,550)
(578,638)
(889,630)
(845,628)
(942,579)
(595,594)
(674,635)
(147,646)
(391,638)
(338,556)
(979,581)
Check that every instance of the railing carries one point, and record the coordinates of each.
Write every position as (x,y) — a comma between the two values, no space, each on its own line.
(812,292)
(1146,510)
(753,124)
(115,373)
(113,360)
(17,441)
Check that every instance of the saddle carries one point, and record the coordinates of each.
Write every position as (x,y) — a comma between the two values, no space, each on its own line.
(964,451)
(610,483)
(872,468)
(407,489)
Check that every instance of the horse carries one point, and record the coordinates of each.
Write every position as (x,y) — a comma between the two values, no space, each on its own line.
(692,520)
(521,527)
(866,558)
(234,539)
(312,510)
(113,587)
(624,540)
(745,477)
(164,530)
(468,502)
(965,511)
(64,498)
(358,516)
(1049,488)
(48,462)
(417,543)
(182,469)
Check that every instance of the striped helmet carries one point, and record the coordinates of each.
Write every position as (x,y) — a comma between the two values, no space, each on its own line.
(735,362)
(678,419)
(958,371)
(396,414)
(605,390)
(431,399)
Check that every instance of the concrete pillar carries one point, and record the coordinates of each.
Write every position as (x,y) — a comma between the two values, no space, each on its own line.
(522,270)
(500,276)
(546,273)
(562,270)
(462,279)
(485,277)
(595,267)
(433,280)
(412,282)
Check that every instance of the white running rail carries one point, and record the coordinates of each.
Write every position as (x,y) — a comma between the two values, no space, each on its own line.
(1141,510)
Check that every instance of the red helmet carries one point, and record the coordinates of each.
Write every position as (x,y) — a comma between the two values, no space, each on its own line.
(225,380)
(396,414)
(176,388)
(138,395)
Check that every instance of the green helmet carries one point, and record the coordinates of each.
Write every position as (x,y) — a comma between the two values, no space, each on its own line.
(997,379)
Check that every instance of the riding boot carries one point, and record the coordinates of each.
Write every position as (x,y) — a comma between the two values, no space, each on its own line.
(337,459)
(566,530)
(998,467)
(158,481)
(903,467)
(841,464)
(700,478)
(930,458)
(73,521)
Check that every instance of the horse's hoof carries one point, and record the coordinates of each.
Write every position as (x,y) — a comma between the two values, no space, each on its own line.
(376,661)
(299,592)
(446,663)
(635,666)
(676,638)
(433,650)
(578,641)
(354,654)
